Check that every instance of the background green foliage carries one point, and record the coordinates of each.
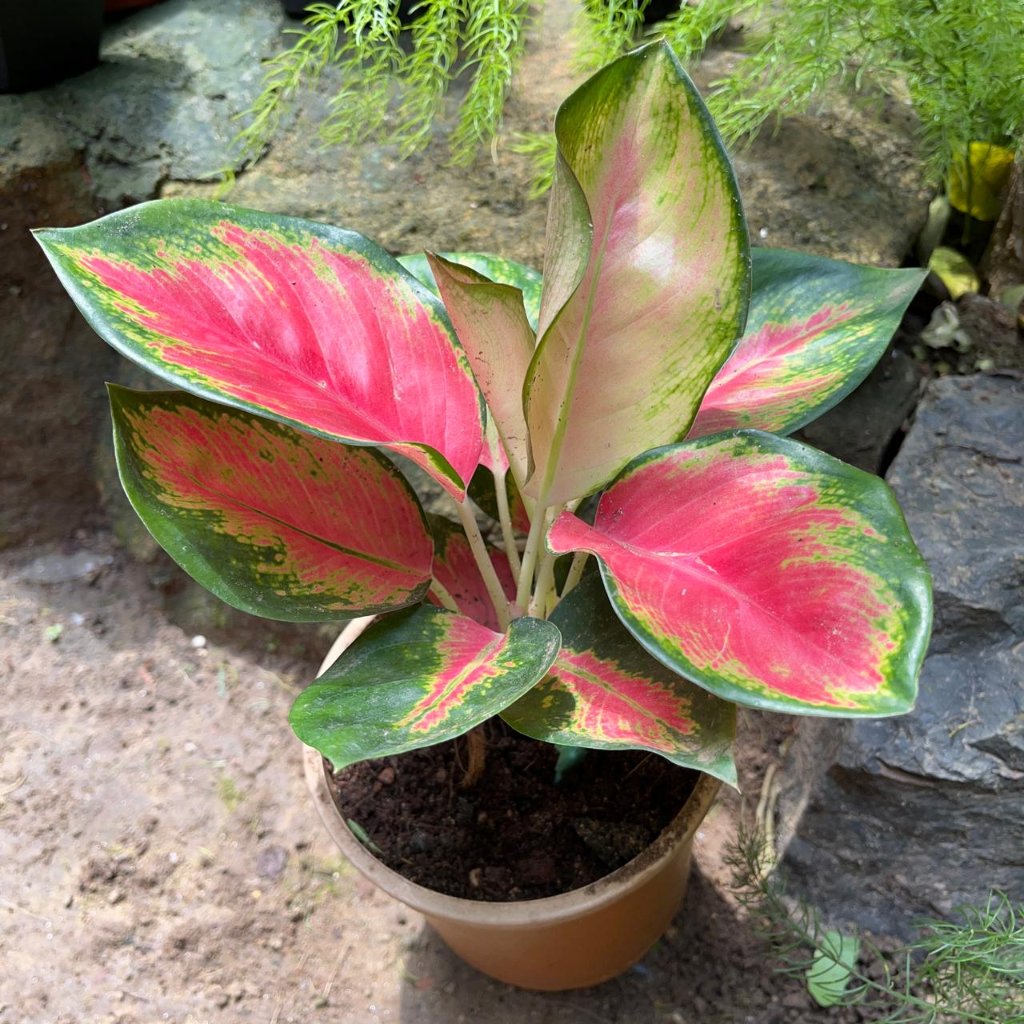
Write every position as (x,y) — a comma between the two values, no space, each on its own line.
(968,970)
(961,65)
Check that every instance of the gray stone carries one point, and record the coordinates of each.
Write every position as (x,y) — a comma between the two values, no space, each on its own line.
(886,820)
(863,427)
(163,103)
(52,365)
(841,180)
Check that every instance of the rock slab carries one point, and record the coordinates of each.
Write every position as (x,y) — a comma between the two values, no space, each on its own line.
(884,821)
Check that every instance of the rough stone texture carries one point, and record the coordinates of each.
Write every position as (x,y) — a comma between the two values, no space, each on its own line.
(864,428)
(51,364)
(159,106)
(914,815)
(840,181)
(162,104)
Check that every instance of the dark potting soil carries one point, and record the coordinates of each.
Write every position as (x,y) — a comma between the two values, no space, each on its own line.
(515,834)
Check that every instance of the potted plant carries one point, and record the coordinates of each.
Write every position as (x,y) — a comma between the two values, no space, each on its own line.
(665,551)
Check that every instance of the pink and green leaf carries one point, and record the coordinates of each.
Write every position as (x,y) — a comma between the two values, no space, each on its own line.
(494,268)
(311,325)
(491,324)
(647,276)
(418,678)
(273,521)
(816,328)
(766,572)
(606,692)
(456,570)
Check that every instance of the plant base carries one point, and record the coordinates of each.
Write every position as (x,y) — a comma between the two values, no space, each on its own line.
(561,942)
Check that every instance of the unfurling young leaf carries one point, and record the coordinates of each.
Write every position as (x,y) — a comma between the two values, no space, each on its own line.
(646,275)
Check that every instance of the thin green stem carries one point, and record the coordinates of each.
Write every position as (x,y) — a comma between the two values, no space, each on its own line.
(508,535)
(443,595)
(497,449)
(484,563)
(534,539)
(579,563)
(545,587)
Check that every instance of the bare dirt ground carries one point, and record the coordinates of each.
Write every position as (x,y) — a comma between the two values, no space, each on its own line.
(160,859)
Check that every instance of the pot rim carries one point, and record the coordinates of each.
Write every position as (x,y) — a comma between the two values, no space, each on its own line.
(514,913)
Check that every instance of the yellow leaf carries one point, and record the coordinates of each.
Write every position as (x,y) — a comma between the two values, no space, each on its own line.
(954,270)
(976,186)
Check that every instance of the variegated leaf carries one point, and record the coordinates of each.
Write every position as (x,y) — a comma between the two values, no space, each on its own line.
(275,522)
(606,692)
(768,573)
(456,570)
(646,278)
(816,328)
(494,268)
(311,325)
(418,678)
(491,324)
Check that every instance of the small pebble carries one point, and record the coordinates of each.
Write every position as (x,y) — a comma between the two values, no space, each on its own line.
(198,641)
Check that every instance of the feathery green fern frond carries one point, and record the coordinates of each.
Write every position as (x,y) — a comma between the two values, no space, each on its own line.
(969,970)
(607,29)
(492,45)
(961,64)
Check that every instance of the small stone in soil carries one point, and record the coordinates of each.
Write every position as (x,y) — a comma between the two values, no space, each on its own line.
(271,861)
(421,842)
(387,775)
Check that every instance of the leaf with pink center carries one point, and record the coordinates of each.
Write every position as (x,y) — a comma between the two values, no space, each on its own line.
(491,323)
(273,521)
(311,325)
(815,329)
(646,277)
(418,678)
(606,692)
(494,268)
(456,570)
(766,572)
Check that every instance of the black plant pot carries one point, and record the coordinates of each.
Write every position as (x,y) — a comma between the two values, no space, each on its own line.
(40,44)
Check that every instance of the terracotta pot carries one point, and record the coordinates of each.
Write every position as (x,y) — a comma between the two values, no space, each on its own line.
(577,939)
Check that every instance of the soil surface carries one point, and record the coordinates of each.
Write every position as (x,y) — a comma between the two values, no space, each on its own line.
(521,829)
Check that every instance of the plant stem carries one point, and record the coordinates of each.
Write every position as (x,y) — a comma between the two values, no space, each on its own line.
(476,751)
(348,634)
(483,562)
(579,563)
(505,519)
(538,527)
(442,594)
(545,587)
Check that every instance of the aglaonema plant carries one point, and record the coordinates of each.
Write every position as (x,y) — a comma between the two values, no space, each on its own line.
(662,550)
